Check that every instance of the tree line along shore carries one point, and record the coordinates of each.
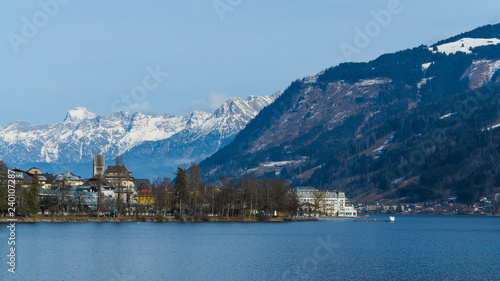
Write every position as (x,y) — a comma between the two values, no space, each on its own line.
(187,198)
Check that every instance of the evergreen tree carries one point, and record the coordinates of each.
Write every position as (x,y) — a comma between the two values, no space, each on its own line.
(24,201)
(34,205)
(180,185)
(196,190)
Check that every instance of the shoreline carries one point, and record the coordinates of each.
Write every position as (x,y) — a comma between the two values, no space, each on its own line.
(170,219)
(126,219)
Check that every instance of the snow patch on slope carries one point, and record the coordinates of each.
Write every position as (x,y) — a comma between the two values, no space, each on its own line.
(371,82)
(493,127)
(481,72)
(447,115)
(423,82)
(464,45)
(425,66)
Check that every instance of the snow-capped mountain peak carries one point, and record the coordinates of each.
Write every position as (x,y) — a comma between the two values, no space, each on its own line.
(247,107)
(79,114)
(83,134)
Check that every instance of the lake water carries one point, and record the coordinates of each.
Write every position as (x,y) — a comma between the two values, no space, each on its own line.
(413,248)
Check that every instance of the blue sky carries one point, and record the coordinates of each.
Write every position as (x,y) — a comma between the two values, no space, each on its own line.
(100,54)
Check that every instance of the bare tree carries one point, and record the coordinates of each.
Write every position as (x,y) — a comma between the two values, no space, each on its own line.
(319,195)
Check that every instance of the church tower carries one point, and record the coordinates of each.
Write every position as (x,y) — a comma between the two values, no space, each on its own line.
(99,165)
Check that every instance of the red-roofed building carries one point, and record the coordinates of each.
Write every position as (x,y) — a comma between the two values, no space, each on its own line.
(145,196)
(119,176)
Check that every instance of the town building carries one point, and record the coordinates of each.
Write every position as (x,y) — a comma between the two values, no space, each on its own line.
(22,178)
(119,176)
(314,202)
(142,184)
(145,196)
(34,170)
(68,179)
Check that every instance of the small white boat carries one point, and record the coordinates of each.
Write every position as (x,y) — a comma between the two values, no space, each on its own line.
(391,219)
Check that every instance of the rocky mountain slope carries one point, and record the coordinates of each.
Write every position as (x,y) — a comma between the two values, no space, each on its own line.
(418,124)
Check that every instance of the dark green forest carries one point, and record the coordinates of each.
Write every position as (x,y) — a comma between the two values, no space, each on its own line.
(434,158)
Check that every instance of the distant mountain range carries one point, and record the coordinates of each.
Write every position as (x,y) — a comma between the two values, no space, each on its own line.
(152,145)
(415,125)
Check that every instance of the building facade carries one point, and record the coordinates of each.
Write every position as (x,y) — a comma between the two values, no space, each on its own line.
(68,179)
(314,202)
(120,177)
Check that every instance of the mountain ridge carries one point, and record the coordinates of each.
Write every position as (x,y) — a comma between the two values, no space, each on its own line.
(83,134)
(336,130)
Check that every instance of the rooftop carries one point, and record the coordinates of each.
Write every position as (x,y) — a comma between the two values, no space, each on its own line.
(117,169)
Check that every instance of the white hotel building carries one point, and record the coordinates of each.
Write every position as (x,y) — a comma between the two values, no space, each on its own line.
(316,202)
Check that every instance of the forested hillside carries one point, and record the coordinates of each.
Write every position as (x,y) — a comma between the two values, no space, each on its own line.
(418,124)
